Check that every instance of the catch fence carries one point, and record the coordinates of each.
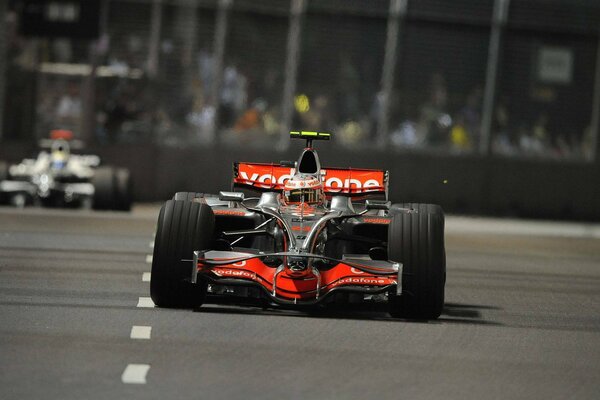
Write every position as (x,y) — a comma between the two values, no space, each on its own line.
(512,78)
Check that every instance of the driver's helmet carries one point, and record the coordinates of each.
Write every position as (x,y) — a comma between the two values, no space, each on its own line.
(59,156)
(303,190)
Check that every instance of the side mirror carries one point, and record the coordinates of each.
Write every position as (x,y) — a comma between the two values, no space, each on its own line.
(231,196)
(377,205)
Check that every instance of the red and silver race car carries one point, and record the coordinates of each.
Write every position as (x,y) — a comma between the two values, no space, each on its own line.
(312,236)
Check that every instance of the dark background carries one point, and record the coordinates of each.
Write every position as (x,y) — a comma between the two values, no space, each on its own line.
(143,122)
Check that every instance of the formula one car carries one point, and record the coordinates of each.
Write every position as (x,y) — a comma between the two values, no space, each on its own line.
(58,178)
(312,237)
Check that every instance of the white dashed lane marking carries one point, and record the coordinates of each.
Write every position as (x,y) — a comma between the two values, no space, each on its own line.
(135,373)
(145,302)
(140,332)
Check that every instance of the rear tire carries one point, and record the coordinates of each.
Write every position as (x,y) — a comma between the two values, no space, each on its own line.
(183,226)
(416,239)
(105,188)
(3,170)
(124,189)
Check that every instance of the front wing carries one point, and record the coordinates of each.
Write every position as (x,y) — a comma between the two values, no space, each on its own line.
(77,189)
(287,287)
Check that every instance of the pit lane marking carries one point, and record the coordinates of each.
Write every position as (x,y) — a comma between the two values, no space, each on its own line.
(140,332)
(149,259)
(135,373)
(146,276)
(145,302)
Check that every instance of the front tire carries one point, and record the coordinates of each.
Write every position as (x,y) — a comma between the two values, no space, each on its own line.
(3,170)
(183,226)
(105,188)
(3,176)
(416,239)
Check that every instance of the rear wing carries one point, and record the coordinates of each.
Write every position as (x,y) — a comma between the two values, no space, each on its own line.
(350,181)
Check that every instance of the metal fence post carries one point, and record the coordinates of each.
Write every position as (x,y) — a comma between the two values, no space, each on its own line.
(595,123)
(297,10)
(186,35)
(88,123)
(219,54)
(3,61)
(499,19)
(397,14)
(154,39)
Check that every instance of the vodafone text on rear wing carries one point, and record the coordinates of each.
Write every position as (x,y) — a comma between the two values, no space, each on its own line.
(351,181)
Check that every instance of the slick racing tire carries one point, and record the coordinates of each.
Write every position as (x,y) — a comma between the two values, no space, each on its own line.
(3,176)
(187,196)
(105,188)
(183,226)
(3,171)
(416,239)
(123,189)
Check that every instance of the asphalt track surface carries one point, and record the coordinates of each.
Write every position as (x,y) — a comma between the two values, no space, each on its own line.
(521,321)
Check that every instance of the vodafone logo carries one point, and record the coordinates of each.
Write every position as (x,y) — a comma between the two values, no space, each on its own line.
(300,229)
(337,185)
(332,184)
(236,273)
(384,221)
(356,271)
(267,180)
(229,212)
(363,281)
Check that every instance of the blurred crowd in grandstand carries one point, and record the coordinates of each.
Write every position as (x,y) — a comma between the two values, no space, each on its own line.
(134,103)
(129,109)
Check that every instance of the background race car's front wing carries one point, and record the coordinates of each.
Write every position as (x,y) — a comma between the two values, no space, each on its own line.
(290,287)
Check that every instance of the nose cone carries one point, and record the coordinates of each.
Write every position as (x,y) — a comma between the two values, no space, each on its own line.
(297,265)
(298,283)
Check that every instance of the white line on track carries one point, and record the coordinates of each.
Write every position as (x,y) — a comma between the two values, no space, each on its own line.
(146,276)
(135,373)
(140,332)
(149,258)
(145,302)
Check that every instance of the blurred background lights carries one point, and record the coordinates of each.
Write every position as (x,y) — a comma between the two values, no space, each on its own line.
(302,103)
